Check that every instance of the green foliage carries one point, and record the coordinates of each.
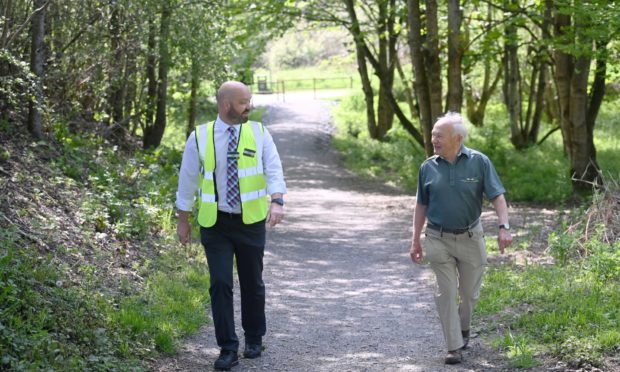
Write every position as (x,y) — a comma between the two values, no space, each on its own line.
(65,310)
(306,47)
(538,304)
(519,351)
(173,305)
(396,159)
(17,84)
(537,174)
(49,322)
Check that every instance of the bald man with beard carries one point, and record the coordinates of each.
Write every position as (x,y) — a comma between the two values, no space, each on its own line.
(235,167)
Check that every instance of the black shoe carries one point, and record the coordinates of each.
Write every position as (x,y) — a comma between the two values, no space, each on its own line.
(226,361)
(252,351)
(465,339)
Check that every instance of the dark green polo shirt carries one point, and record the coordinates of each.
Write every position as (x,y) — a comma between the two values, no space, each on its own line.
(453,192)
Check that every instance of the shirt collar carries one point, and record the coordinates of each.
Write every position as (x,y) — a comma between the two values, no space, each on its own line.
(220,126)
(463,151)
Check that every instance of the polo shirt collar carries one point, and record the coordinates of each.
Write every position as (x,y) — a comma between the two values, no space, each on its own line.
(463,151)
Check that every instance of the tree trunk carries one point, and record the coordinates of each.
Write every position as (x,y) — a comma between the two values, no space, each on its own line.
(539,99)
(360,52)
(151,76)
(153,135)
(131,87)
(422,87)
(571,74)
(433,60)
(116,82)
(116,89)
(512,79)
(193,98)
(543,60)
(385,72)
(455,54)
(583,169)
(37,58)
(563,70)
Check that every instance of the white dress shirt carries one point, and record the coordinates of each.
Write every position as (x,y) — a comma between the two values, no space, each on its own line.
(189,174)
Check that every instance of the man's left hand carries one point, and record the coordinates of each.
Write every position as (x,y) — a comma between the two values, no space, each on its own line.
(276,214)
(504,239)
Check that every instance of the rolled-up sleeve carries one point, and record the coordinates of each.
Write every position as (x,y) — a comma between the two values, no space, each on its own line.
(272,166)
(189,175)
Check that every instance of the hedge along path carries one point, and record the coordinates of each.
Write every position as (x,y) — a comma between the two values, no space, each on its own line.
(342,293)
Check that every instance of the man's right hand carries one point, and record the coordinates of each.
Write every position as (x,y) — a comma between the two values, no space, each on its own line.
(416,252)
(184,229)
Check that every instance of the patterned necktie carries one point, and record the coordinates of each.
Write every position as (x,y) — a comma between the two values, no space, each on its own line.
(232,178)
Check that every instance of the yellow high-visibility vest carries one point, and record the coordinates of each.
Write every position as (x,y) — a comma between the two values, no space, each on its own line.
(252,183)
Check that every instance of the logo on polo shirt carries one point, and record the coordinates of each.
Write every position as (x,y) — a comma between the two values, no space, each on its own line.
(471,180)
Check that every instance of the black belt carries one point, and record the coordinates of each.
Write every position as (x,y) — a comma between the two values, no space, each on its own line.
(442,229)
(228,214)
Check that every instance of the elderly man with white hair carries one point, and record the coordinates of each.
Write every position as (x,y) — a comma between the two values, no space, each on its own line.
(451,186)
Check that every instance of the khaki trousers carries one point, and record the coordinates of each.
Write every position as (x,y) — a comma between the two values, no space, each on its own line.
(458,261)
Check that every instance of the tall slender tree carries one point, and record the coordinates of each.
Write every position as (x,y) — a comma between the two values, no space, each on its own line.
(37,60)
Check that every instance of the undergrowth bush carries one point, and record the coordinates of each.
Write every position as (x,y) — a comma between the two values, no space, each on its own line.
(128,292)
(571,309)
(49,323)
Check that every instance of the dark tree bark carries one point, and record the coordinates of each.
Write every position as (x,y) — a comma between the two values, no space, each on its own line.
(154,134)
(576,119)
(512,80)
(131,87)
(116,81)
(383,64)
(433,59)
(455,55)
(360,53)
(37,61)
(524,127)
(193,98)
(385,72)
(151,75)
(427,98)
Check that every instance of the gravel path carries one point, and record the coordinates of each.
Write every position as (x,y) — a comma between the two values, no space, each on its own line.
(342,293)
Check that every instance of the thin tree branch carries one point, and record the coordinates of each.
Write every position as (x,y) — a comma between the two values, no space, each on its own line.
(26,22)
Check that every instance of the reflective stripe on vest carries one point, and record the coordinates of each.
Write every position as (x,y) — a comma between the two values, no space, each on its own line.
(252,183)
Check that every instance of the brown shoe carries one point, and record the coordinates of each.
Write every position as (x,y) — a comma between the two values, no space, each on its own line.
(465,339)
(454,357)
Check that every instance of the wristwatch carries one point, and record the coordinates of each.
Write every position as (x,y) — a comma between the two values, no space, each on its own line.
(278,201)
(504,226)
